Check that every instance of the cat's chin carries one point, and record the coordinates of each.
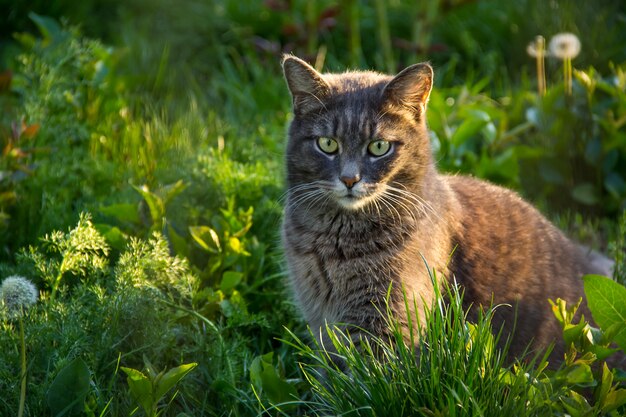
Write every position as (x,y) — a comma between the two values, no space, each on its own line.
(351,202)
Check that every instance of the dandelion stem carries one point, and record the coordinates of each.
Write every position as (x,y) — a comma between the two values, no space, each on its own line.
(541,70)
(567,68)
(20,411)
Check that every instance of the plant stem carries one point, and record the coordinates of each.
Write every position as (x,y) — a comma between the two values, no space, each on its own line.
(55,285)
(385,37)
(567,75)
(540,45)
(425,16)
(311,23)
(20,411)
(57,280)
(355,33)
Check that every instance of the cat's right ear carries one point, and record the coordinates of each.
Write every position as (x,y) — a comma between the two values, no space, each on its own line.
(308,88)
(410,89)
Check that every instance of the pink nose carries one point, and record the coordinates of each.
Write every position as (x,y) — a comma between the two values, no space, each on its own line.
(350,181)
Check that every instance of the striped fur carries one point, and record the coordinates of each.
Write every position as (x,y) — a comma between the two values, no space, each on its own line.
(344,251)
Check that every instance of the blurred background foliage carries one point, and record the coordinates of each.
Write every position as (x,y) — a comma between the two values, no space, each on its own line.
(165,120)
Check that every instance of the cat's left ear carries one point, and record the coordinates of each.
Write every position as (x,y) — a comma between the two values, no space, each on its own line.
(410,89)
(307,86)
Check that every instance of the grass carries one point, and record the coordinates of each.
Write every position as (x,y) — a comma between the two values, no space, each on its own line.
(450,367)
(170,133)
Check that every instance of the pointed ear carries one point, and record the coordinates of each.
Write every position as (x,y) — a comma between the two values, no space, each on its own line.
(308,88)
(410,89)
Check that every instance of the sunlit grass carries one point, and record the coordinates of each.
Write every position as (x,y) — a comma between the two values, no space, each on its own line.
(451,366)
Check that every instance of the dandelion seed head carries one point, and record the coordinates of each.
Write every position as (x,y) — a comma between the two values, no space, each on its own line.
(533,49)
(565,46)
(17,294)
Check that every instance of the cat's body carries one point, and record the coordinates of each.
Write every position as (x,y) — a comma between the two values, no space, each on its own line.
(366,207)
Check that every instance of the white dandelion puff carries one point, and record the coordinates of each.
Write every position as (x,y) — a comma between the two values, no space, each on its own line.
(17,294)
(564,46)
(536,48)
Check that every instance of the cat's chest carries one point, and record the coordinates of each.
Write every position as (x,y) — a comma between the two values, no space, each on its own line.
(332,258)
(343,238)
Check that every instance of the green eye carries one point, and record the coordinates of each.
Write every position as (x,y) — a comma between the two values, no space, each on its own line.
(379,147)
(328,145)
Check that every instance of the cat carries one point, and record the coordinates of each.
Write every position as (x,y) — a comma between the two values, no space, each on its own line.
(366,206)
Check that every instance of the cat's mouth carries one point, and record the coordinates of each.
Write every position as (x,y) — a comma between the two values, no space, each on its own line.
(352,199)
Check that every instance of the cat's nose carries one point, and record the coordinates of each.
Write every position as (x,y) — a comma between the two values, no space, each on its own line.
(350,180)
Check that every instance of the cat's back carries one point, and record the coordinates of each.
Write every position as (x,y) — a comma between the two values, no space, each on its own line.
(506,249)
(496,224)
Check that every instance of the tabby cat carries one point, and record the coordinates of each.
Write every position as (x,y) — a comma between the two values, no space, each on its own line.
(366,206)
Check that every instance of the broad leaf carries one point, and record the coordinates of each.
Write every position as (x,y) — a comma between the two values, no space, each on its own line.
(154,202)
(67,393)
(266,377)
(171,378)
(140,388)
(607,302)
(580,375)
(122,212)
(470,127)
(230,279)
(48,27)
(172,190)
(585,193)
(113,235)
(206,237)
(177,241)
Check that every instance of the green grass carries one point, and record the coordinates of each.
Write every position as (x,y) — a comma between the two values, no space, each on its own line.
(450,367)
(170,133)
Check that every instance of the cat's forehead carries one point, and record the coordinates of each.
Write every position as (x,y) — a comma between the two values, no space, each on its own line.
(356,83)
(354,98)
(351,110)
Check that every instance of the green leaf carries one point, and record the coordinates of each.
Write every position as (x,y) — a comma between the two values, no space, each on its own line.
(122,212)
(206,237)
(178,243)
(48,27)
(490,132)
(605,385)
(615,184)
(113,235)
(580,375)
(154,202)
(266,378)
(614,399)
(230,279)
(576,404)
(573,333)
(140,388)
(171,378)
(585,193)
(562,313)
(67,393)
(607,302)
(172,190)
(474,123)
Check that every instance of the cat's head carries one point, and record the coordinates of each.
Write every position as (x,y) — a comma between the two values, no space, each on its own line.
(356,136)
